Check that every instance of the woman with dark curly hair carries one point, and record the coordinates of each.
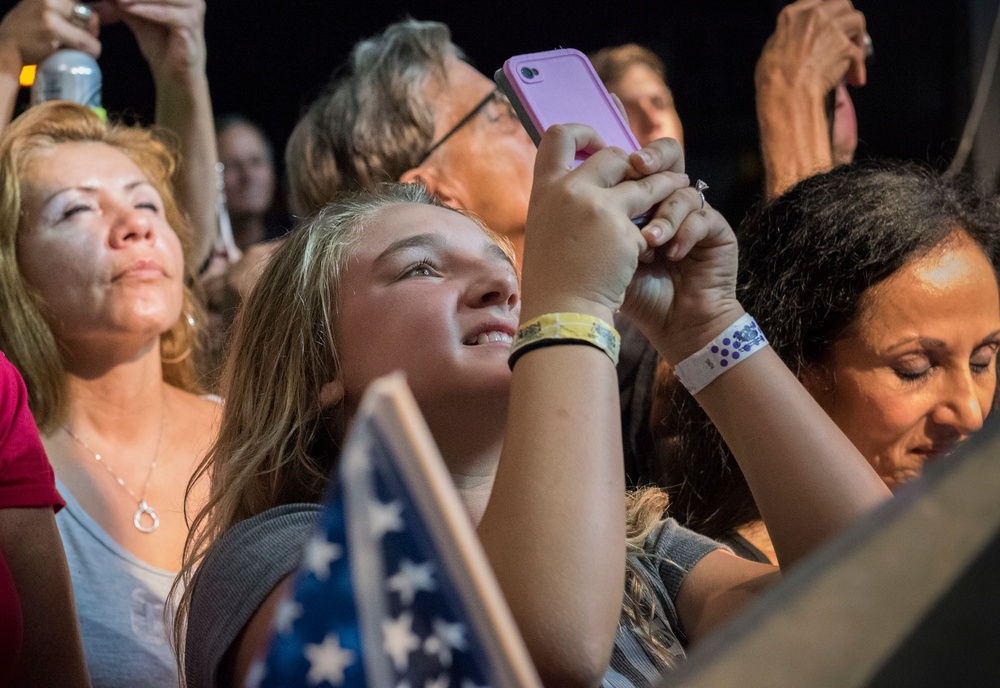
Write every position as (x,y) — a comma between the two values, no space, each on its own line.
(877,286)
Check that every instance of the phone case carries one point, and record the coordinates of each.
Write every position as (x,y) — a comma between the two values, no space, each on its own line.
(561,87)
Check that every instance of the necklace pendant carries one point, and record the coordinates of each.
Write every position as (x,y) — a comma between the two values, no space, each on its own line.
(145,510)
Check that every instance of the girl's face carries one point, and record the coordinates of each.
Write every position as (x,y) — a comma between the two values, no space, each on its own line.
(426,291)
(96,245)
(916,374)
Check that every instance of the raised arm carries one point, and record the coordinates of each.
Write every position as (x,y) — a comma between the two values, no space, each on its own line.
(817,46)
(171,35)
(807,478)
(554,528)
(29,33)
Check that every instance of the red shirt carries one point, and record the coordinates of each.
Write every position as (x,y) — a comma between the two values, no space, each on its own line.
(26,481)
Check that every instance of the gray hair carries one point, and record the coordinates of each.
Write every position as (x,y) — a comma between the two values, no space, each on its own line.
(373,121)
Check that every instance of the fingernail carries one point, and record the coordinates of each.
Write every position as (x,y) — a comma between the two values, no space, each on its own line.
(683,177)
(653,233)
(673,251)
(645,157)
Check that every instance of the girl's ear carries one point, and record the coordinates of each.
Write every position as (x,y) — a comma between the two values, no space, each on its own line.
(332,393)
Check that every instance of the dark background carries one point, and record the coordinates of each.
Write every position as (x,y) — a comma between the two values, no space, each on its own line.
(267,59)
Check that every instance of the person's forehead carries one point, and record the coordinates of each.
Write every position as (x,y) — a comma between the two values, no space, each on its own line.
(241,137)
(64,163)
(394,225)
(640,76)
(955,280)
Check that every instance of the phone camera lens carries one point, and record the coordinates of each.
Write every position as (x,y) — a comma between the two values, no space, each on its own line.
(529,72)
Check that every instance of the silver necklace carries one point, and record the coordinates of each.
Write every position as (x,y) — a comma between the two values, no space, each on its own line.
(145,513)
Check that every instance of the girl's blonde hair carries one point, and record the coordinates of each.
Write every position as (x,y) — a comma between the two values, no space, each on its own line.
(644,512)
(25,335)
(277,441)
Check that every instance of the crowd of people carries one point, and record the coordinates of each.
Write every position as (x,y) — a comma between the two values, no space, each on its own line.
(179,373)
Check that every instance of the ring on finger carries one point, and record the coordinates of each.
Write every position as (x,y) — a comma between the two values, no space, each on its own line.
(700,187)
(81,15)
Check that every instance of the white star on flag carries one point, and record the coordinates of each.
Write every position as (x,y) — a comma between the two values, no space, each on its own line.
(445,638)
(385,518)
(410,579)
(320,553)
(288,612)
(400,640)
(328,661)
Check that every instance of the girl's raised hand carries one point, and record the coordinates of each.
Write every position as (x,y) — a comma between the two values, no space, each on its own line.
(581,248)
(684,290)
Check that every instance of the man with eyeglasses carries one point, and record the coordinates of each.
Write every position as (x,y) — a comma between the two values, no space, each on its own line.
(407,107)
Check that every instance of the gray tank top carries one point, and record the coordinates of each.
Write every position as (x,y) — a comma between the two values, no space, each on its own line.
(119,601)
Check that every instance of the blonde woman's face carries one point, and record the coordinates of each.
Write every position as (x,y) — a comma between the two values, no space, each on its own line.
(95,243)
(916,374)
(426,291)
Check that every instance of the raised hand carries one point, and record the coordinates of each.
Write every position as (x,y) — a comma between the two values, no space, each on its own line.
(818,46)
(581,248)
(34,29)
(684,290)
(170,34)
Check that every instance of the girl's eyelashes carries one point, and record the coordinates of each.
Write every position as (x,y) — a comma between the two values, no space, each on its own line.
(420,268)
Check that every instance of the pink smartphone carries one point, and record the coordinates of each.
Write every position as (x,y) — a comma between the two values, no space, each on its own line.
(559,87)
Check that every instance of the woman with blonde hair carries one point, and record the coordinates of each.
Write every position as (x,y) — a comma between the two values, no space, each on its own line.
(521,398)
(99,321)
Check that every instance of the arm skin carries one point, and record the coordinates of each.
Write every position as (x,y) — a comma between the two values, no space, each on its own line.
(52,654)
(807,478)
(171,36)
(817,46)
(554,528)
(29,33)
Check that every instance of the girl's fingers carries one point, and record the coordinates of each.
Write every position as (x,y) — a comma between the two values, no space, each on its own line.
(558,147)
(639,195)
(702,227)
(670,214)
(658,155)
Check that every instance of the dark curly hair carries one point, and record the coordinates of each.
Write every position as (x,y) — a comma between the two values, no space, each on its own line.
(806,259)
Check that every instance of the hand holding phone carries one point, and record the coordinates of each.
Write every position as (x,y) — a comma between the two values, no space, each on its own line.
(561,87)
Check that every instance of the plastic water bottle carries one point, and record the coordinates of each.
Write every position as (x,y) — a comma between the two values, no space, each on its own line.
(69,75)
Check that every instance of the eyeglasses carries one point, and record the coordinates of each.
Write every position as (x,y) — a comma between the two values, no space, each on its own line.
(494,95)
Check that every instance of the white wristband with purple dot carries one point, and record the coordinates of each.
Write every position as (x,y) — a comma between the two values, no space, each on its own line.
(739,341)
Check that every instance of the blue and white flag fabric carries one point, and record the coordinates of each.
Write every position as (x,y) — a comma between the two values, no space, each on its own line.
(394,589)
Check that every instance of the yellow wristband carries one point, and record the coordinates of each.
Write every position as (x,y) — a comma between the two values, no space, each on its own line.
(553,329)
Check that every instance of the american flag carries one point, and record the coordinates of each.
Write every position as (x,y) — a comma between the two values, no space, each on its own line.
(394,589)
